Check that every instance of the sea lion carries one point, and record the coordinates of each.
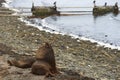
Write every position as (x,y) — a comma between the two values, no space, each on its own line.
(41,68)
(25,62)
(46,53)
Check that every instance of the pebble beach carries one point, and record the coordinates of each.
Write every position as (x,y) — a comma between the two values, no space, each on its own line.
(74,57)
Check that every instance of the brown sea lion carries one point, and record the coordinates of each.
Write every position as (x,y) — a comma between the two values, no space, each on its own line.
(25,62)
(41,68)
(46,53)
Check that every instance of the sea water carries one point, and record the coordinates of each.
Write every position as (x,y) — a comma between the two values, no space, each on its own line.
(104,29)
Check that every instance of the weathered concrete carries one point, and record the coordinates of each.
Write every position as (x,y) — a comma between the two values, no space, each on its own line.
(44,11)
(101,10)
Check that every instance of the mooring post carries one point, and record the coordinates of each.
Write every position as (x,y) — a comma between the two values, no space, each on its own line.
(33,8)
(55,7)
(94,2)
(105,4)
(116,4)
(116,8)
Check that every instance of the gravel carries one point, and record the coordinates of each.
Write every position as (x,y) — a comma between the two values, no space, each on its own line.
(73,58)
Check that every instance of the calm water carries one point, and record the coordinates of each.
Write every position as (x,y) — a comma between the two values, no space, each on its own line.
(104,28)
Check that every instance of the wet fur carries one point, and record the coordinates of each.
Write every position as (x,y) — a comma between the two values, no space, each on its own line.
(41,68)
(43,63)
(22,62)
(45,53)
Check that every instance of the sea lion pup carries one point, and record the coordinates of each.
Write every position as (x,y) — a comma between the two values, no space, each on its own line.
(41,68)
(24,62)
(45,53)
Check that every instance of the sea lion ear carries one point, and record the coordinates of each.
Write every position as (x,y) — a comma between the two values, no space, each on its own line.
(47,44)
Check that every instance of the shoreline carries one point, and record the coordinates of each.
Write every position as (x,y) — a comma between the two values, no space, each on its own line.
(106,45)
(82,57)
